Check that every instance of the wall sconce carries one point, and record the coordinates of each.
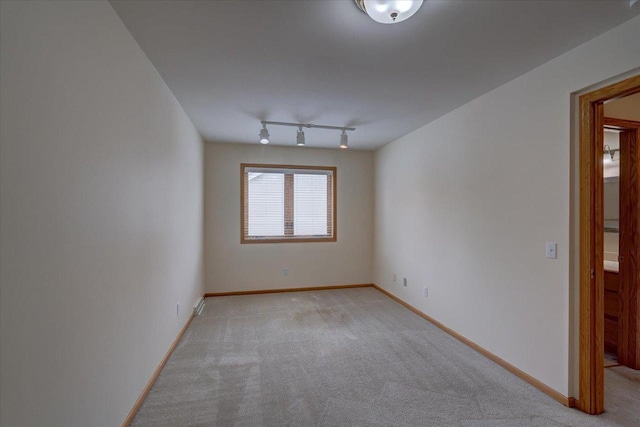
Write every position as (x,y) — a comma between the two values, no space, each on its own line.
(609,153)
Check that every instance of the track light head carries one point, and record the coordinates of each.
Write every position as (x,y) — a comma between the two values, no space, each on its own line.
(300,137)
(264,135)
(344,140)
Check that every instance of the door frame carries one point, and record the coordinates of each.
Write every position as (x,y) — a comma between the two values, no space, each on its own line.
(628,347)
(591,152)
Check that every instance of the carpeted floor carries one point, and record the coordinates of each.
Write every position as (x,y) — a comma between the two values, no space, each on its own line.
(622,395)
(350,357)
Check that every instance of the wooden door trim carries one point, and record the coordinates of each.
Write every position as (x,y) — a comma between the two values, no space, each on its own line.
(628,353)
(591,347)
(629,332)
(620,123)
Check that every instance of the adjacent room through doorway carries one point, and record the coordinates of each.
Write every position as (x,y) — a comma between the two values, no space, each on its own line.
(621,371)
(609,352)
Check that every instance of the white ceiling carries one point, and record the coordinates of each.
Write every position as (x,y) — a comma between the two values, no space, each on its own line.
(627,108)
(233,63)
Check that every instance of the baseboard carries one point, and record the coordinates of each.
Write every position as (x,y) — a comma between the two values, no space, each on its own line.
(154,377)
(275,291)
(567,401)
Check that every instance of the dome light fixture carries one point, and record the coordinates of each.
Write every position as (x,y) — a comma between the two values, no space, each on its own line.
(300,137)
(389,11)
(264,134)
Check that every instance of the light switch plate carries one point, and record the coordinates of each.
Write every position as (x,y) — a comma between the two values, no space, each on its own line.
(552,250)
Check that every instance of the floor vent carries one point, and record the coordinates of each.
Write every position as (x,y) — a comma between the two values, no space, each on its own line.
(197,310)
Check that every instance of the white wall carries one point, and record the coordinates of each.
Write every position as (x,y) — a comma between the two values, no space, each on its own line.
(101,216)
(465,204)
(231,266)
(611,246)
(612,168)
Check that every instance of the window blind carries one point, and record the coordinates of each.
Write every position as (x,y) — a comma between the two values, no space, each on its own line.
(266,204)
(288,203)
(310,205)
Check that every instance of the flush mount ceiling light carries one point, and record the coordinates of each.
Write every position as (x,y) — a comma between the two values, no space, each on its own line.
(389,11)
(300,138)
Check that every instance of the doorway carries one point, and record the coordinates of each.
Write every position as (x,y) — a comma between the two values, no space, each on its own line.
(592,225)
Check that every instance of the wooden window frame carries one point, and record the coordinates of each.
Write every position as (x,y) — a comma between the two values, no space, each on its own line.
(332,206)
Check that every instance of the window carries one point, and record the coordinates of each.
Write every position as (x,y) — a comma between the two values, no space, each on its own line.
(288,203)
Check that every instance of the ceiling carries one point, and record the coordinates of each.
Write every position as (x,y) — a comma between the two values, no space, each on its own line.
(627,108)
(233,63)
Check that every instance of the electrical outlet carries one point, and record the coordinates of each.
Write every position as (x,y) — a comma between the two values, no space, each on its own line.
(395,278)
(285,271)
(405,282)
(177,309)
(425,292)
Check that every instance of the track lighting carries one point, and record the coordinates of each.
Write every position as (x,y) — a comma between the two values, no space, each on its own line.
(344,140)
(300,137)
(264,134)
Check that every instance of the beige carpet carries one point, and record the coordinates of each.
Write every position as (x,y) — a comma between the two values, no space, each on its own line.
(610,360)
(622,395)
(350,357)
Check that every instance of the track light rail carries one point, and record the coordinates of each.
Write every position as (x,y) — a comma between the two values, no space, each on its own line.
(305,125)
